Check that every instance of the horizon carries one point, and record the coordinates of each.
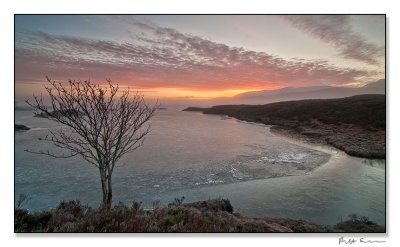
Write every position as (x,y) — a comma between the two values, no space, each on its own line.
(186,101)
(186,57)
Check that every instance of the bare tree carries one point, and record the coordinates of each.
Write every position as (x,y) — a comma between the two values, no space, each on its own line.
(103,125)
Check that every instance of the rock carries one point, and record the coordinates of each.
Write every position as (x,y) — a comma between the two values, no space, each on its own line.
(58,113)
(21,127)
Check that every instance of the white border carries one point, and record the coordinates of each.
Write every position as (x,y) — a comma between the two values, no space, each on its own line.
(9,8)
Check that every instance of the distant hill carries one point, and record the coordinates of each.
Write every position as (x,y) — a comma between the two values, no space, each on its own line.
(299,93)
(285,90)
(381,84)
(356,125)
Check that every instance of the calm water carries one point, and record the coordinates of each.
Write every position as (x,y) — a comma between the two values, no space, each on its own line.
(200,157)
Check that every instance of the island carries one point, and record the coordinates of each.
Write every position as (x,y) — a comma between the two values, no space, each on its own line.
(18,127)
(200,109)
(356,125)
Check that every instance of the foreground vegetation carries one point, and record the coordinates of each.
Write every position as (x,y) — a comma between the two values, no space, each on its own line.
(356,125)
(204,216)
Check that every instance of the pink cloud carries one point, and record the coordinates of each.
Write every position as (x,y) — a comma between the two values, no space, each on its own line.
(164,57)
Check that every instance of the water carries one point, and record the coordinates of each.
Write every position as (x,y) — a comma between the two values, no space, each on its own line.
(204,156)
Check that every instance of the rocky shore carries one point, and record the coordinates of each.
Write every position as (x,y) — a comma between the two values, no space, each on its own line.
(352,140)
(356,125)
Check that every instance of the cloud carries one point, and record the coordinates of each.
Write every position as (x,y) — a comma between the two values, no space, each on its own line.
(165,57)
(337,31)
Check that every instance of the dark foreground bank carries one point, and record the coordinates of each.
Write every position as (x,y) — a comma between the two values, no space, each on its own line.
(203,216)
(356,125)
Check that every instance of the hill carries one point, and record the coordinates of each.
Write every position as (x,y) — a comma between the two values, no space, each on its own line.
(300,93)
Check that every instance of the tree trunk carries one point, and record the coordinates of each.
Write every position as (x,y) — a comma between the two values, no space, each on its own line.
(109,191)
(106,188)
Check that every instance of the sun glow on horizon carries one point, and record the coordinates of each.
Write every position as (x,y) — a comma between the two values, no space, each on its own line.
(156,93)
(170,93)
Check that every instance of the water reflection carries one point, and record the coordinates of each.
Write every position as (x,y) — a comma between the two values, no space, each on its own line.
(200,157)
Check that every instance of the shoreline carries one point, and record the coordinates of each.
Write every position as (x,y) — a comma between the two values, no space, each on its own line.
(328,144)
(297,138)
(313,136)
(358,131)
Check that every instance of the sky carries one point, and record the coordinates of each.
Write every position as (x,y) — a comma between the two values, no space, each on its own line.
(199,56)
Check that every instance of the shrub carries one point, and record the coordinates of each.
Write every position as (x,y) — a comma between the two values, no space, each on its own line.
(204,216)
(358,224)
